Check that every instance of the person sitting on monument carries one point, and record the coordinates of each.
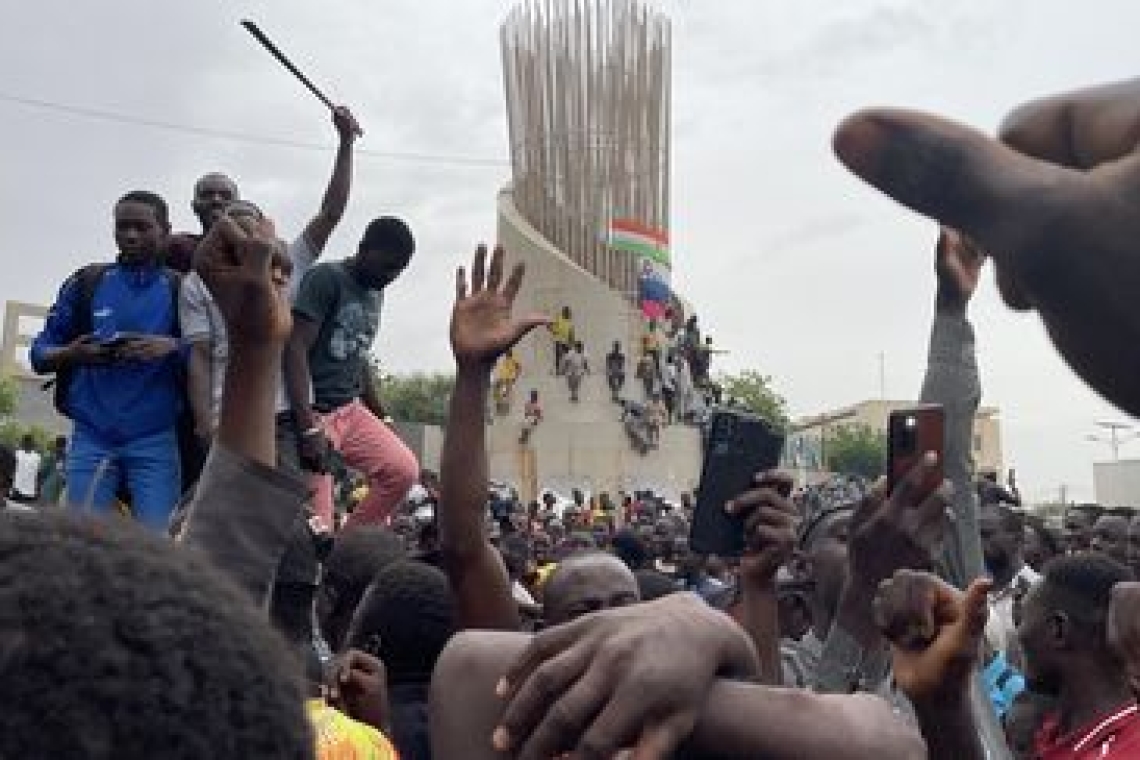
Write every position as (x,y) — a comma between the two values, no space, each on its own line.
(575,367)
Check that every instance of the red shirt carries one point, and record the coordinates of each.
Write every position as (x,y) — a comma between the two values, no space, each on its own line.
(1113,737)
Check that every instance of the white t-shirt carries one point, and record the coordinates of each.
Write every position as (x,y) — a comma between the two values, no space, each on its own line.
(200,320)
(27,473)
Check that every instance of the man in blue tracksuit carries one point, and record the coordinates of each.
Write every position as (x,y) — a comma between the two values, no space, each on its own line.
(112,339)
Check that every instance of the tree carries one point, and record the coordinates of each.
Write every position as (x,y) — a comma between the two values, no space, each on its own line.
(856,450)
(753,392)
(9,395)
(421,397)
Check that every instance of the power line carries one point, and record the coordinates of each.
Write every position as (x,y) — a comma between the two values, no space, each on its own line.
(121,118)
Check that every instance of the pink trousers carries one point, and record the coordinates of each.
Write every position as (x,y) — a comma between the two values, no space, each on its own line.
(373,449)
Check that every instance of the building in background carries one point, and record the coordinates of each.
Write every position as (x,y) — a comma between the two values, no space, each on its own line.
(807,445)
(22,322)
(1117,484)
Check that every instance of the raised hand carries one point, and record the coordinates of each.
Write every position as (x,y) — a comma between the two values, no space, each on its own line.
(935,633)
(346,125)
(482,328)
(241,263)
(630,677)
(959,266)
(900,532)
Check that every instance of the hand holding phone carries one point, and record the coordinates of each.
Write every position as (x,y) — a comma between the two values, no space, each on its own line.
(912,434)
(739,446)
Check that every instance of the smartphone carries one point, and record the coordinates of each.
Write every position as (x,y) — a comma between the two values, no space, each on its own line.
(910,434)
(739,446)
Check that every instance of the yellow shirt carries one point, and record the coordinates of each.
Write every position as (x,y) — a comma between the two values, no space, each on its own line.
(563,330)
(508,369)
(339,737)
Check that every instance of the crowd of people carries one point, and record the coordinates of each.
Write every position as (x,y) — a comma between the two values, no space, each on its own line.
(671,365)
(856,623)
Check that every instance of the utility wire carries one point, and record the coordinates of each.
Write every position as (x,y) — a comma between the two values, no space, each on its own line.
(121,118)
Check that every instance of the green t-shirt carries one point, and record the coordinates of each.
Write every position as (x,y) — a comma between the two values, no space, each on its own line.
(347,316)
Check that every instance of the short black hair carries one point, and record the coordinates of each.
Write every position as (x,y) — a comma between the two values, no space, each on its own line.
(1044,533)
(631,549)
(390,235)
(113,642)
(154,200)
(406,618)
(1080,585)
(356,557)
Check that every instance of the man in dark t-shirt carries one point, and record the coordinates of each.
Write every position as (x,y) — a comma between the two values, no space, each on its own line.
(329,379)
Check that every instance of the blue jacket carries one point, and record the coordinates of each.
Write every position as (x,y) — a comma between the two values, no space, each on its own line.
(125,400)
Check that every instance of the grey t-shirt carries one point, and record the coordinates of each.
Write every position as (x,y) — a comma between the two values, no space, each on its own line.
(347,316)
(200,320)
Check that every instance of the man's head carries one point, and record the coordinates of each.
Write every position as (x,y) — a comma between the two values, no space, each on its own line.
(1134,545)
(142,223)
(135,648)
(516,556)
(60,444)
(617,347)
(28,443)
(1041,543)
(1110,534)
(587,582)
(406,618)
(1077,526)
(1003,539)
(823,543)
(384,252)
(1063,631)
(212,194)
(566,312)
(356,557)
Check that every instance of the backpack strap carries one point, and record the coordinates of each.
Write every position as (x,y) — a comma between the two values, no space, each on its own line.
(87,279)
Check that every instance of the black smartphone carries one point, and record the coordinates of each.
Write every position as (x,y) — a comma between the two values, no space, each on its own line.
(739,446)
(910,434)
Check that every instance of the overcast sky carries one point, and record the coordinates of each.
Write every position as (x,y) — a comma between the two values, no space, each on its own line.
(795,267)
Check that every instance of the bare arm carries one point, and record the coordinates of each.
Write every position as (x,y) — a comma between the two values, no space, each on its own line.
(478,577)
(297,378)
(200,387)
(371,394)
(770,538)
(335,200)
(482,329)
(738,720)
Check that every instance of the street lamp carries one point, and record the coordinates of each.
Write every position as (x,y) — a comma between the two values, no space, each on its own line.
(1116,437)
